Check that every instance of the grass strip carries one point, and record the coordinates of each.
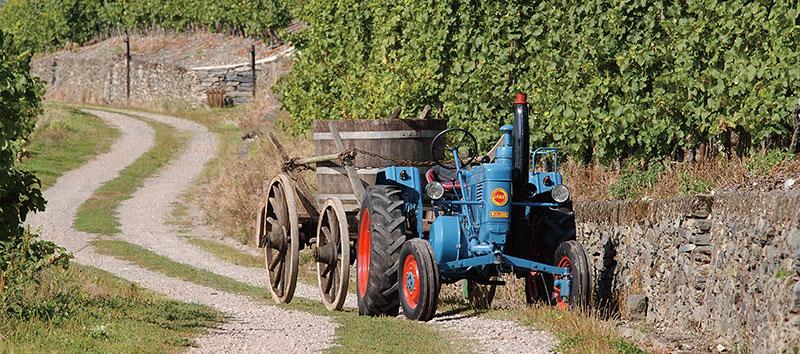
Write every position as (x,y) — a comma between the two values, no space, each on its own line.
(84,309)
(64,139)
(577,331)
(98,213)
(354,333)
(228,254)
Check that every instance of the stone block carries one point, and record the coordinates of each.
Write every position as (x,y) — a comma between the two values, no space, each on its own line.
(637,306)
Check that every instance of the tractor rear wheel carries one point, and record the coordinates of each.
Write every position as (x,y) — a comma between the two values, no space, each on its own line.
(571,255)
(419,280)
(551,227)
(381,234)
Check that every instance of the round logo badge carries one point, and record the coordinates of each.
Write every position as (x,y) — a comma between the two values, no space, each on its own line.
(499,197)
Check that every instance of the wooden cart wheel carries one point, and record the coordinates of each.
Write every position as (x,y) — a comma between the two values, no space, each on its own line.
(333,254)
(261,227)
(282,242)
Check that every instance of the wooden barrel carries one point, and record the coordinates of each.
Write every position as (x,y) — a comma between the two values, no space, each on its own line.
(400,139)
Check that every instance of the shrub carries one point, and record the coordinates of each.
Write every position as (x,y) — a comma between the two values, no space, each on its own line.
(22,256)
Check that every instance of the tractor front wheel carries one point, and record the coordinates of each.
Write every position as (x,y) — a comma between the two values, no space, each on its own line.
(381,234)
(419,280)
(571,255)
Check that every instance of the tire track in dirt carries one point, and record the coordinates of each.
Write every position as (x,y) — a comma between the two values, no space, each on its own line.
(250,327)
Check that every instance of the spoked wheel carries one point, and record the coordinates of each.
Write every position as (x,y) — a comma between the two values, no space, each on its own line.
(478,296)
(333,254)
(281,234)
(571,255)
(261,228)
(419,280)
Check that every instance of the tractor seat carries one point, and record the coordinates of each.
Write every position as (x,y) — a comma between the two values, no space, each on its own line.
(446,177)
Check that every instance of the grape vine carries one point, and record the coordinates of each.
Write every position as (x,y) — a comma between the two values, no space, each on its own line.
(606,79)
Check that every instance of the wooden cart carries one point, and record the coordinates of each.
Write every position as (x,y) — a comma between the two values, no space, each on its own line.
(291,218)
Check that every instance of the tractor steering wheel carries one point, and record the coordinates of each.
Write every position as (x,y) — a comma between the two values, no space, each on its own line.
(458,139)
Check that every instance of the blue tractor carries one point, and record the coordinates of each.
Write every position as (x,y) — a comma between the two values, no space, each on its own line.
(463,219)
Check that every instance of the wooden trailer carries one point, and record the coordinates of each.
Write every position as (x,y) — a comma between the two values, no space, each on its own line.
(348,156)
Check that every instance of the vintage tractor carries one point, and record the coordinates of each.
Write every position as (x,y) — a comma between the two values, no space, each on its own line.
(469,219)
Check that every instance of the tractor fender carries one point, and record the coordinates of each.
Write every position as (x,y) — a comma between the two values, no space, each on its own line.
(446,239)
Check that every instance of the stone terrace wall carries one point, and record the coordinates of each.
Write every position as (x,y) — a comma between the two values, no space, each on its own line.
(79,78)
(725,267)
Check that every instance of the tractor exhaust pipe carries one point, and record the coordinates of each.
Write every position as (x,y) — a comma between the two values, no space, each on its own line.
(520,137)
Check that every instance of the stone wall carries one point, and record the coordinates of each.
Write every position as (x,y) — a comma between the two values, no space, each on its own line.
(723,267)
(78,78)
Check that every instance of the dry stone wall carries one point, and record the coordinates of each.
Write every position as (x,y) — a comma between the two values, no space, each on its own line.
(78,78)
(724,267)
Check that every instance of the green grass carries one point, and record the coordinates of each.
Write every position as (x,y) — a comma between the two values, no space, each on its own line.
(228,253)
(98,312)
(354,333)
(98,213)
(64,139)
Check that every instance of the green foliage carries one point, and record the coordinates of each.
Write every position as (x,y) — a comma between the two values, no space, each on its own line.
(51,24)
(605,78)
(634,179)
(690,184)
(762,162)
(19,105)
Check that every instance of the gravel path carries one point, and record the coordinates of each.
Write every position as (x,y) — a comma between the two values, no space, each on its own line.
(495,336)
(251,326)
(145,216)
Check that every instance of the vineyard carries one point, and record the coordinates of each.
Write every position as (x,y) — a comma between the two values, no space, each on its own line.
(607,79)
(53,24)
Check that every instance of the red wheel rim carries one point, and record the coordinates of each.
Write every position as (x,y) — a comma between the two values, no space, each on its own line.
(561,303)
(411,275)
(364,241)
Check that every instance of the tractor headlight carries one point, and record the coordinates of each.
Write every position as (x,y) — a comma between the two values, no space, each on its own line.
(560,193)
(434,190)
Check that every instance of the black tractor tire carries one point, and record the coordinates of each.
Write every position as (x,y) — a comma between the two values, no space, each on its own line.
(419,280)
(381,234)
(572,254)
(551,227)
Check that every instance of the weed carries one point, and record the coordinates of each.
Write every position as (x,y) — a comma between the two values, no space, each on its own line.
(690,184)
(634,181)
(761,163)
(782,273)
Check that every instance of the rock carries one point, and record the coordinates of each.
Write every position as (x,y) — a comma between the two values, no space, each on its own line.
(789,183)
(686,248)
(637,306)
(721,348)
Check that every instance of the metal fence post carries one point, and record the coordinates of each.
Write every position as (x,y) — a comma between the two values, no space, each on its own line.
(253,67)
(127,67)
